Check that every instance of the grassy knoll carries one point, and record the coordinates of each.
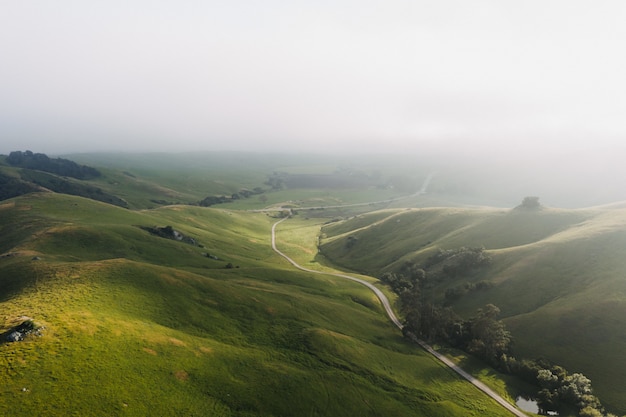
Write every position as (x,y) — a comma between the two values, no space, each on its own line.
(556,274)
(136,324)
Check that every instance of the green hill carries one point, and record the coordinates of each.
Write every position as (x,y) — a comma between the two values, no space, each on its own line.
(137,323)
(557,276)
(243,180)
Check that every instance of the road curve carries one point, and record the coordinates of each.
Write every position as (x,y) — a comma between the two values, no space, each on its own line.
(385,302)
(383,299)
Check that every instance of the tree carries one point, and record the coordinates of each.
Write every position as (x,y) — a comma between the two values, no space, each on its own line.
(489,337)
(276,181)
(590,412)
(530,203)
(351,241)
(413,271)
(410,302)
(398,282)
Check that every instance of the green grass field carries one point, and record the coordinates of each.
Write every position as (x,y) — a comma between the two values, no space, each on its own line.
(135,324)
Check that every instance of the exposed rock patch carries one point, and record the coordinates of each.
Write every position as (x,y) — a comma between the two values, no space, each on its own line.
(168,232)
(26,328)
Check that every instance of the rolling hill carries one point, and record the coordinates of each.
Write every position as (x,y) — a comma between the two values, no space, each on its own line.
(131,322)
(557,275)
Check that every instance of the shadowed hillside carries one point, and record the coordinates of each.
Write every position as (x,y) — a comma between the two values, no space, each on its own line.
(557,276)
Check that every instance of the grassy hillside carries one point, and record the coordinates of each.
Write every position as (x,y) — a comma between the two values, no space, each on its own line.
(557,276)
(236,179)
(302,180)
(137,324)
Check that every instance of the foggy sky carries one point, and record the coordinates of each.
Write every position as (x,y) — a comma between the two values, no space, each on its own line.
(311,75)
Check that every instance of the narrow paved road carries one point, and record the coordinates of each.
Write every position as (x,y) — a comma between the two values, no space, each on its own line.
(385,302)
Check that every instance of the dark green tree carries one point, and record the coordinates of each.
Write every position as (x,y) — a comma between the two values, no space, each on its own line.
(489,337)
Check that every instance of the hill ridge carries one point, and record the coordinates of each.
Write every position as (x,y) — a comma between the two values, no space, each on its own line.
(557,261)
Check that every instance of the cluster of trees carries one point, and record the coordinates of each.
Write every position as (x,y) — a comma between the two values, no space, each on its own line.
(401,283)
(460,290)
(214,199)
(443,265)
(220,199)
(457,262)
(559,387)
(168,232)
(558,390)
(483,335)
(486,337)
(530,203)
(277,180)
(58,166)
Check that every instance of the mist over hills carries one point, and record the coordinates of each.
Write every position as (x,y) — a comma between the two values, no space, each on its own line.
(497,176)
(81,268)
(134,322)
(390,135)
(501,175)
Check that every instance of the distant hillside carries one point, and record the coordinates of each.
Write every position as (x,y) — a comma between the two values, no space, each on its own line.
(557,276)
(37,172)
(58,166)
(242,180)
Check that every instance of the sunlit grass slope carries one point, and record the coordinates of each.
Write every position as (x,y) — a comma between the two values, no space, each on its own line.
(558,274)
(135,324)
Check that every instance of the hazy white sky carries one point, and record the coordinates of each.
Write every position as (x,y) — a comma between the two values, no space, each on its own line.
(81,75)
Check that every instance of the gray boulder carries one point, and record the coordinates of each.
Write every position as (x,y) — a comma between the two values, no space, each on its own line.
(14,337)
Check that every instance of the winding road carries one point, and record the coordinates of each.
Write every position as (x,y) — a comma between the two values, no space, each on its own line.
(385,302)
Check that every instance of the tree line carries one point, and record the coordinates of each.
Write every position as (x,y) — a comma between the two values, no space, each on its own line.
(58,166)
(221,199)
